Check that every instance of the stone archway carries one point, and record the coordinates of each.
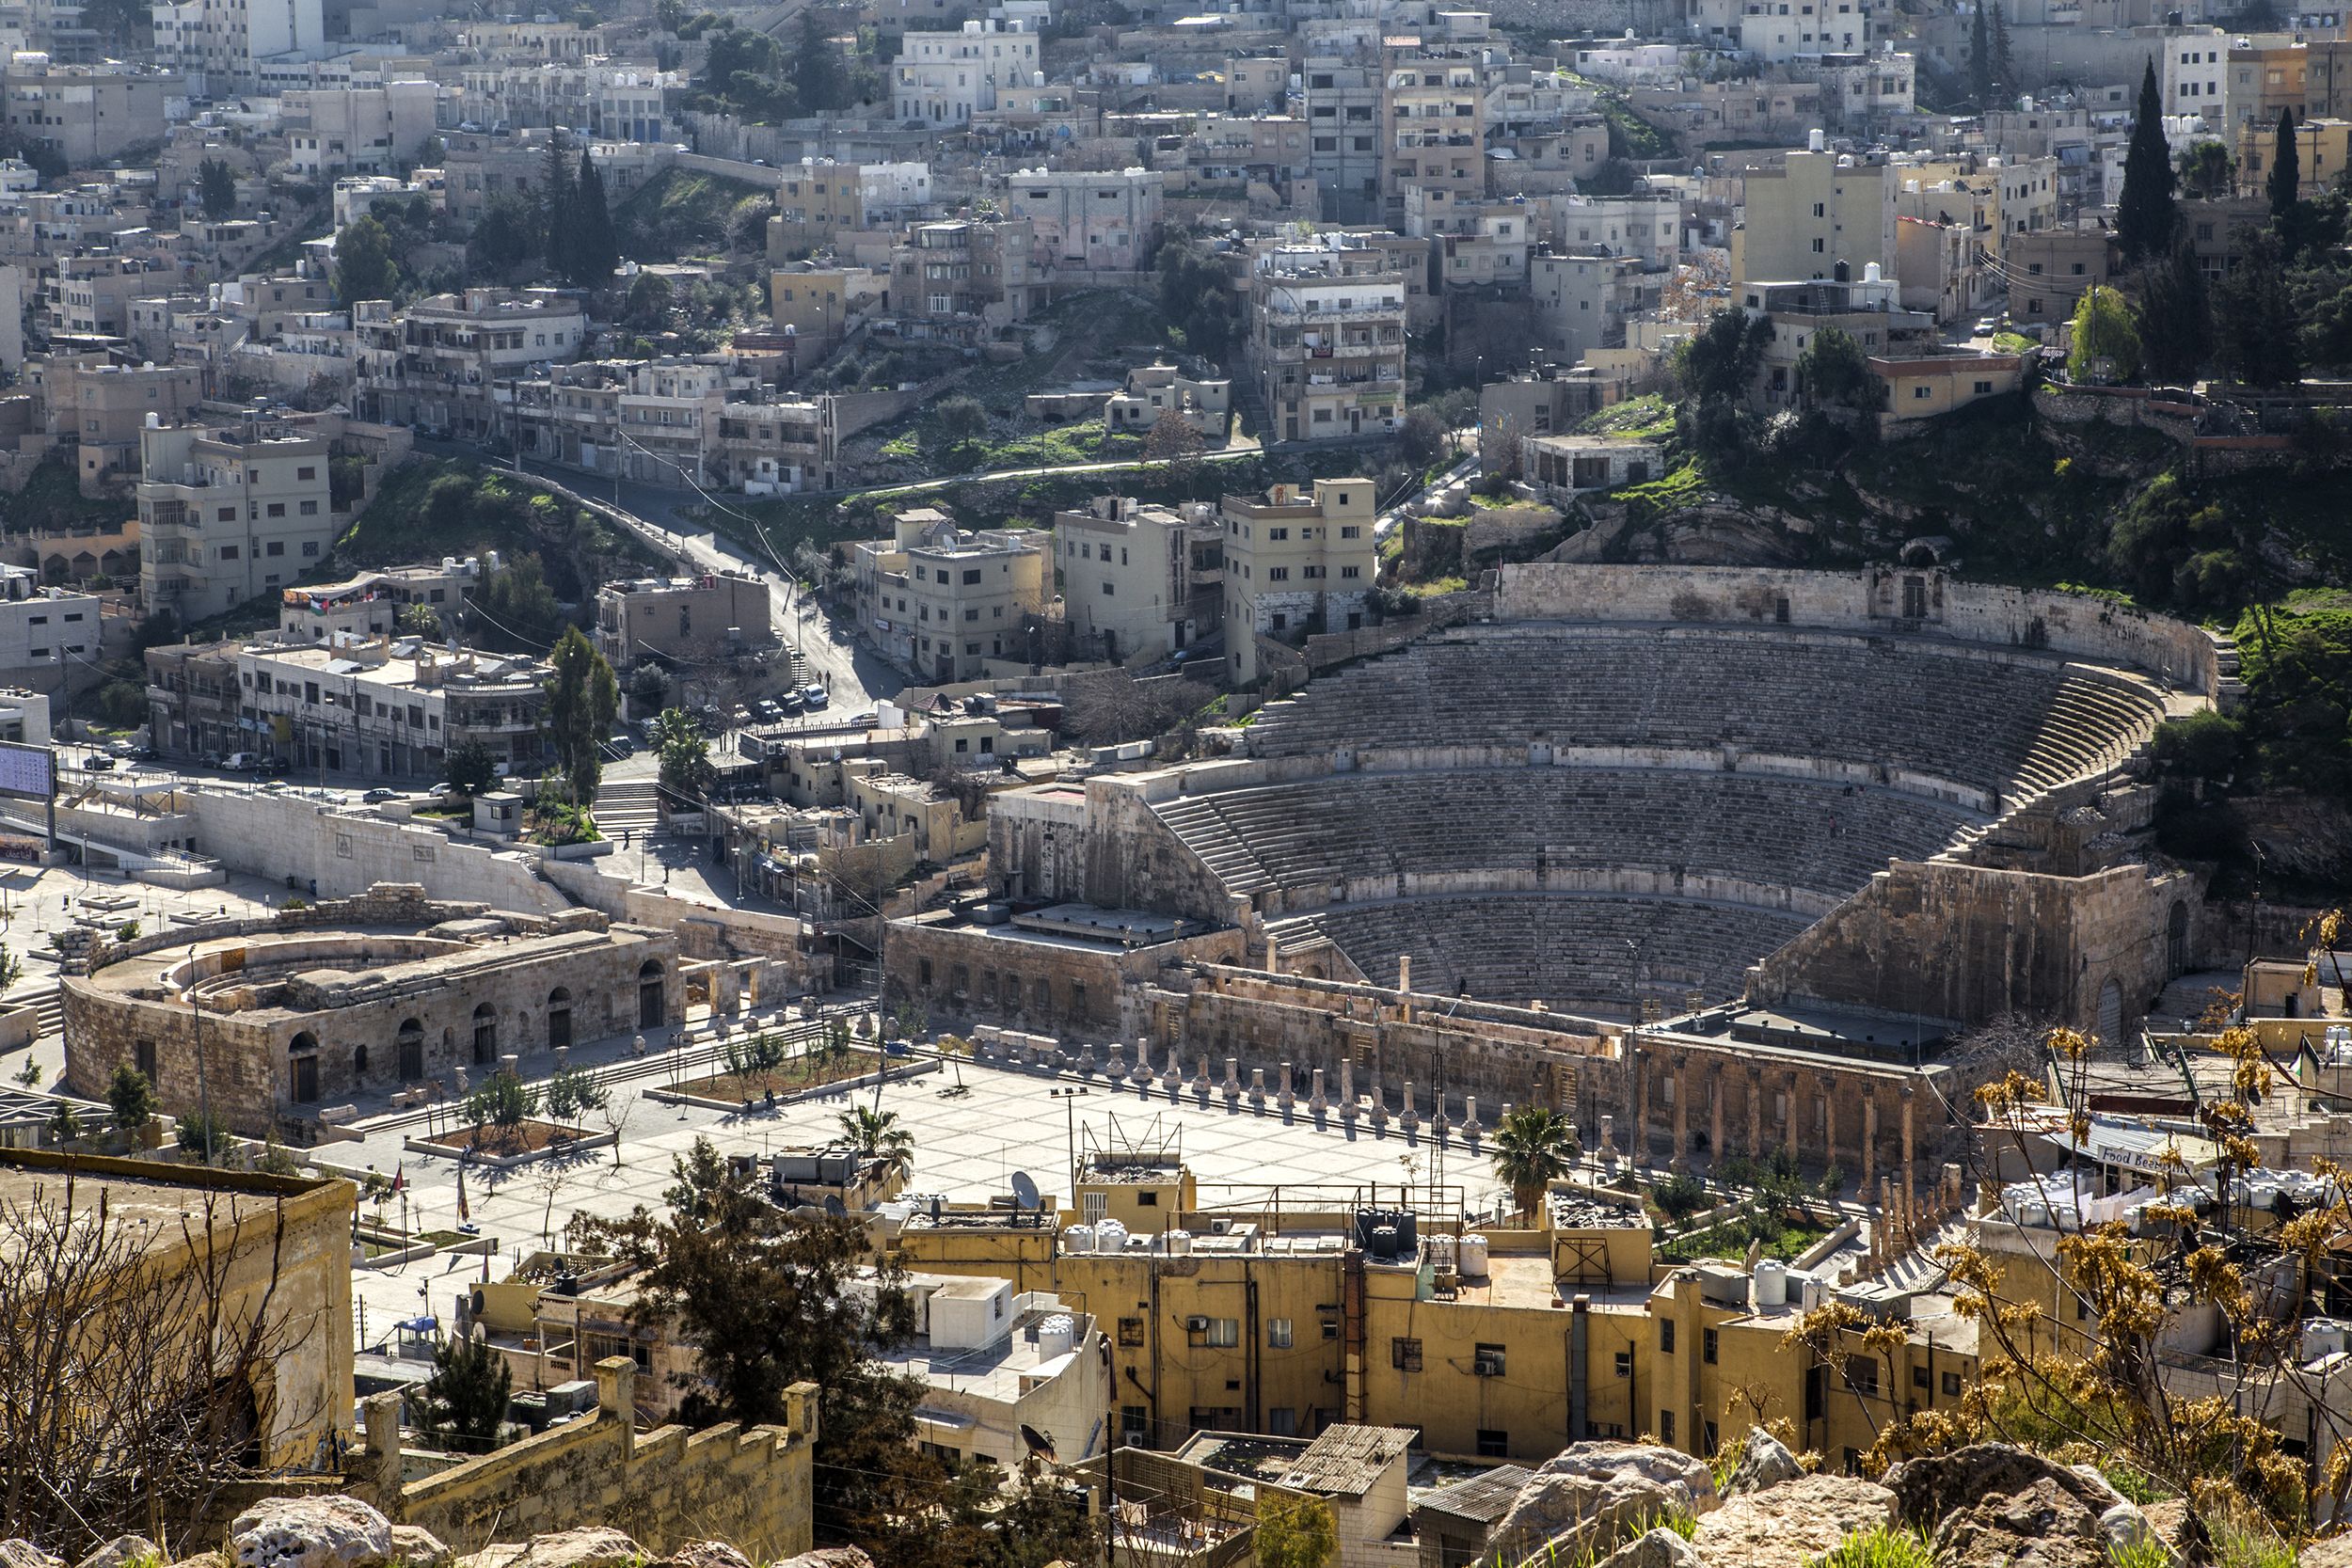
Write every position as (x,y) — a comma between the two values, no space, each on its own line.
(652,997)
(410,1043)
(302,1068)
(558,1017)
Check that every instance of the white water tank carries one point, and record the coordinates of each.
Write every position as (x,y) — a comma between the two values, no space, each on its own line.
(1077,1239)
(1055,1335)
(1811,1295)
(1179,1244)
(2323,1337)
(1473,1254)
(1816,141)
(1772,1283)
(1110,1236)
(1870,273)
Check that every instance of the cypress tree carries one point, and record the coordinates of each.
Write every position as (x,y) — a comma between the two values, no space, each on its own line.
(557,211)
(1979,60)
(2145,217)
(2286,168)
(2175,317)
(2004,66)
(596,250)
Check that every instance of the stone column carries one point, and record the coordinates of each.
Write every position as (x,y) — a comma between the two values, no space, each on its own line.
(1788,1131)
(1411,1119)
(1715,1113)
(1379,1101)
(1201,1082)
(1755,1112)
(1086,1060)
(1116,1069)
(1316,1103)
(1233,1080)
(1869,1135)
(1283,1099)
(1680,1159)
(1470,1129)
(1348,1088)
(1257,1087)
(1829,1119)
(1640,1107)
(1910,1168)
(1175,1075)
(1439,1121)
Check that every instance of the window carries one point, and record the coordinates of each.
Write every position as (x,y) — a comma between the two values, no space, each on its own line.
(1218,1333)
(1666,1427)
(1278,1334)
(277,509)
(1918,1377)
(1493,1444)
(1351,571)
(143,1057)
(1984,388)
(1404,1354)
(1819,246)
(1951,1384)
(275,547)
(1665,1335)
(309,547)
(1351,531)
(228,552)
(306,473)
(1134,1424)
(309,509)
(1625,1363)
(1486,1361)
(1862,1375)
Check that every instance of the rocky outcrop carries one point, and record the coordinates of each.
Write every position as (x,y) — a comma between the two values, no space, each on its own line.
(1764,1461)
(1655,1549)
(415,1547)
(1792,1524)
(1581,1502)
(1994,1506)
(311,1532)
(828,1556)
(704,1554)
(122,1550)
(597,1546)
(20,1553)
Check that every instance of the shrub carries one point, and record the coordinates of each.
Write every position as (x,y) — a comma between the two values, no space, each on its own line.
(1881,1546)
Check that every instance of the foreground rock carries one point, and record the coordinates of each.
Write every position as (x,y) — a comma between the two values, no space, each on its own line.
(704,1554)
(594,1547)
(311,1532)
(1657,1548)
(1994,1506)
(18,1552)
(414,1546)
(828,1556)
(1792,1524)
(1765,1461)
(1582,1501)
(120,1550)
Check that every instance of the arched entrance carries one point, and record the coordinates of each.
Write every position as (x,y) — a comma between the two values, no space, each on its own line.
(411,1042)
(651,1013)
(485,1036)
(559,1019)
(302,1068)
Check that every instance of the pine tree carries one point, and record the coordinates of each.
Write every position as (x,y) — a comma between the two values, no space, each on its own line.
(1980,59)
(2285,181)
(2003,65)
(557,211)
(2175,317)
(464,1405)
(2145,217)
(817,73)
(2256,330)
(596,248)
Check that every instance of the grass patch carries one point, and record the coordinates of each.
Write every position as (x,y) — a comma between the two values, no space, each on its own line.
(797,1073)
(451,506)
(1648,417)
(1881,1546)
(53,499)
(2013,342)
(681,213)
(1781,1236)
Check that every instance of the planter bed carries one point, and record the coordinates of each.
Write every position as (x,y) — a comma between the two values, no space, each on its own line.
(689,1094)
(504,1149)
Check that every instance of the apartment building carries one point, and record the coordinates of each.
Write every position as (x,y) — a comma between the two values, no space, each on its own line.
(104,408)
(1086,220)
(1327,338)
(818,302)
(48,636)
(961,277)
(361,706)
(1342,102)
(816,202)
(1158,392)
(2193,73)
(2322,151)
(337,131)
(2050,272)
(942,600)
(687,620)
(229,513)
(1139,583)
(371,604)
(219,44)
(433,364)
(606,100)
(88,113)
(1294,564)
(944,79)
(1581,301)
(1816,212)
(94,293)
(1434,123)
(2001,197)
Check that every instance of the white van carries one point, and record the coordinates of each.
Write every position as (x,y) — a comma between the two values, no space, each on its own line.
(243,762)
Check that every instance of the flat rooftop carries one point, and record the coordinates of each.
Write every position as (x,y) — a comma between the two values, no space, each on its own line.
(995,1371)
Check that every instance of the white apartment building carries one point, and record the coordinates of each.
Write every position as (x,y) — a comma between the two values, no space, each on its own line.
(47,635)
(85,113)
(1650,226)
(2192,73)
(227,514)
(390,709)
(1776,31)
(223,41)
(436,364)
(1139,583)
(946,78)
(1327,338)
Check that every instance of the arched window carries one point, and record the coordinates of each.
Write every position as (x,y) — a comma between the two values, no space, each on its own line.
(558,1017)
(302,1068)
(651,1012)
(486,1034)
(411,1041)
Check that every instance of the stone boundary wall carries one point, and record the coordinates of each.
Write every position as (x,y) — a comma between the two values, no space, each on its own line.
(1325,650)
(346,852)
(1871,600)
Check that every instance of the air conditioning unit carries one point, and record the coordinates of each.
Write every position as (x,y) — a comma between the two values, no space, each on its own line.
(1196,1326)
(1219,1227)
(1486,1366)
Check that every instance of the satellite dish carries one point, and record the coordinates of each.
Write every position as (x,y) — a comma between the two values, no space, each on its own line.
(1024,1191)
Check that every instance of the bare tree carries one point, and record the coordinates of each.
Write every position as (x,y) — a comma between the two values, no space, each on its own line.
(145,1362)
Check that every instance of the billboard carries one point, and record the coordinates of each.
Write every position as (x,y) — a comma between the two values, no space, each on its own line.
(28,773)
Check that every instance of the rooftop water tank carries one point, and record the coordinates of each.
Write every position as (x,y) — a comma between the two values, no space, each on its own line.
(1179,1244)
(1078,1238)
(1471,1254)
(1772,1283)
(1110,1236)
(1055,1335)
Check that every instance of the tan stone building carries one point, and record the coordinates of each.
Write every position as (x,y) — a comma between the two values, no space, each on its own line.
(228,513)
(1294,564)
(687,619)
(1139,583)
(942,600)
(103,408)
(359,996)
(1326,337)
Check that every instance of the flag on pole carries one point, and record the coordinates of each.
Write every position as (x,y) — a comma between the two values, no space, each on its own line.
(463,1212)
(400,1178)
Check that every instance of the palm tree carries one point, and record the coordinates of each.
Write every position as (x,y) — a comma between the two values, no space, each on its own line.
(878,1133)
(1533,1146)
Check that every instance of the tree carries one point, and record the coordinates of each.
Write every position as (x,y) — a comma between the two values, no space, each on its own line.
(2206,172)
(958,422)
(2175,318)
(2256,329)
(765,1298)
(1717,362)
(131,1363)
(572,1093)
(1171,442)
(1296,1532)
(1980,57)
(470,767)
(878,1135)
(817,75)
(1533,1146)
(131,1096)
(684,754)
(2284,183)
(464,1403)
(559,210)
(2004,64)
(596,248)
(582,699)
(647,308)
(1833,372)
(1679,1196)
(206,1137)
(502,1104)
(364,268)
(216,188)
(419,620)
(507,232)
(2106,345)
(515,608)
(1195,298)
(2145,217)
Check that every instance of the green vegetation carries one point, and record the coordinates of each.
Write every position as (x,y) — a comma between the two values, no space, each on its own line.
(442,506)
(1781,1236)
(464,1403)
(204,1137)
(681,213)
(53,499)
(1534,1147)
(1649,417)
(1296,1532)
(132,1097)
(1881,1546)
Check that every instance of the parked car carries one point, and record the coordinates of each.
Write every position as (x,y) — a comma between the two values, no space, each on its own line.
(741,716)
(376,797)
(623,745)
(815,696)
(278,768)
(440,791)
(767,708)
(98,762)
(242,762)
(789,701)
